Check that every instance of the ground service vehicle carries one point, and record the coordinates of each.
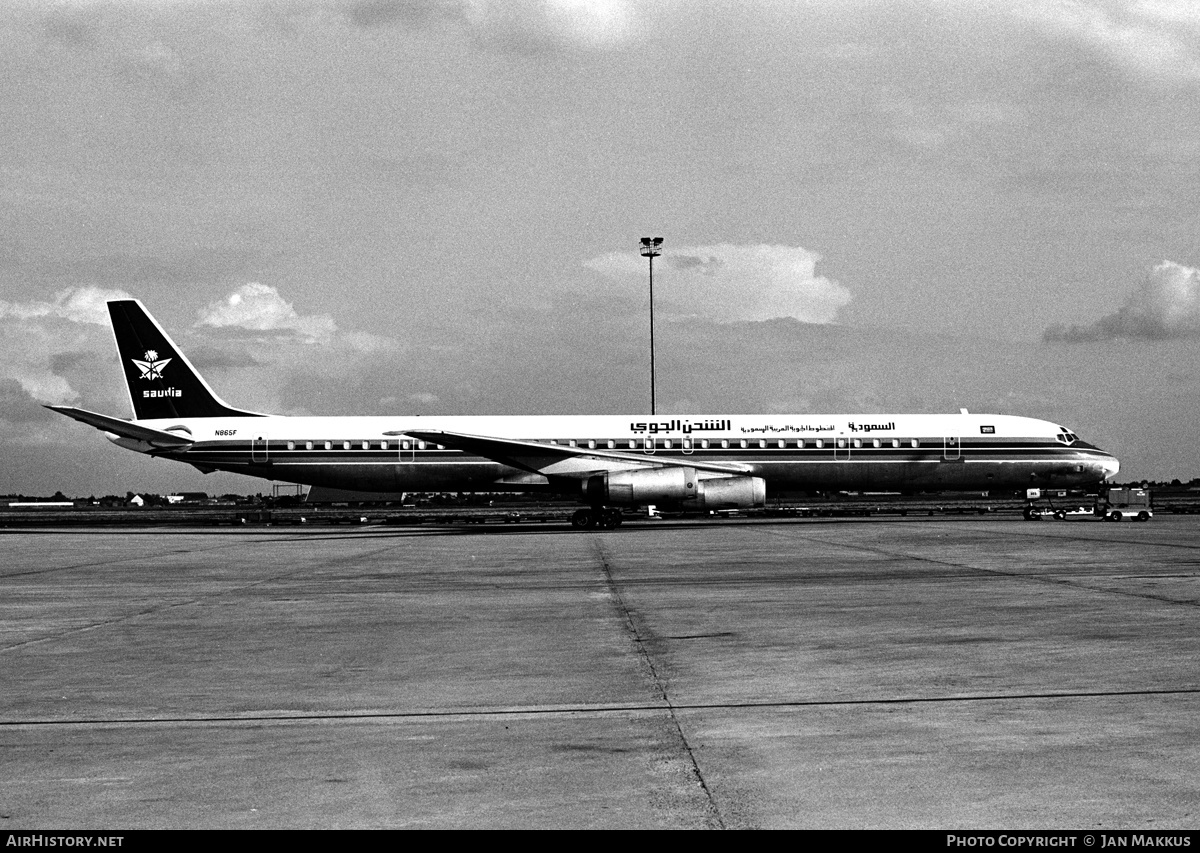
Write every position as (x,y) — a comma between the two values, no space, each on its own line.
(1114,505)
(1134,503)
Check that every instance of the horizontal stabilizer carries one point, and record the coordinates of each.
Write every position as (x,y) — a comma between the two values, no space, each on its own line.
(559,459)
(124,428)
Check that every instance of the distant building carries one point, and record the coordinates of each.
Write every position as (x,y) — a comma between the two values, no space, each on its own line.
(189,498)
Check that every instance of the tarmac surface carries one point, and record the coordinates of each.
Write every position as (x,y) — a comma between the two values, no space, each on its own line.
(921,673)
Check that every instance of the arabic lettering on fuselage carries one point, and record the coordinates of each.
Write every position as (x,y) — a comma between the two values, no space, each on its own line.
(872,427)
(676,425)
(726,425)
(790,428)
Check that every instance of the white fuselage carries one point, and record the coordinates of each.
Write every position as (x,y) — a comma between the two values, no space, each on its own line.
(792,453)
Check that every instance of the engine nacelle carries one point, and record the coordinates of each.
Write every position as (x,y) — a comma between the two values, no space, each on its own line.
(673,485)
(732,493)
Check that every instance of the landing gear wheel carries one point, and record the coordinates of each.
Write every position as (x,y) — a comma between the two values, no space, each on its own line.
(609,519)
(583,519)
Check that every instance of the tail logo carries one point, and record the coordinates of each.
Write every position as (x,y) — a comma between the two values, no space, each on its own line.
(152,367)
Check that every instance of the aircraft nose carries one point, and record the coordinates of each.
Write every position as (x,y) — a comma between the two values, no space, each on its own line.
(1111,467)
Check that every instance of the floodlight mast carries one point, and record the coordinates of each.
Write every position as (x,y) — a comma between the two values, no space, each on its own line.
(652,248)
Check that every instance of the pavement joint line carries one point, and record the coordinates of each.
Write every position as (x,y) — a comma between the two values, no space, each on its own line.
(103,563)
(643,652)
(82,629)
(595,710)
(1055,581)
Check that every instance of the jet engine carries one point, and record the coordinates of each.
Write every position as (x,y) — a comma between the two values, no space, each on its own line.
(674,486)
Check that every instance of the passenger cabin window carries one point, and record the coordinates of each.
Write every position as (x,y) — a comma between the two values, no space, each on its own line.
(762,442)
(420,445)
(345,445)
(841,442)
(666,445)
(725,443)
(404,445)
(308,445)
(858,442)
(800,442)
(329,445)
(611,445)
(895,442)
(743,442)
(704,443)
(591,444)
(876,443)
(291,445)
(916,443)
(820,442)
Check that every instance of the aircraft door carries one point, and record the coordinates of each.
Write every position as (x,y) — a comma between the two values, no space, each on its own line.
(648,444)
(686,444)
(951,448)
(841,449)
(259,450)
(407,449)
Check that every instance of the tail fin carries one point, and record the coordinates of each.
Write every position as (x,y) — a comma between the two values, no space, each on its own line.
(162,382)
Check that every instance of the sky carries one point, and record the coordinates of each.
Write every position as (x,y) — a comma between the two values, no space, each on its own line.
(433,207)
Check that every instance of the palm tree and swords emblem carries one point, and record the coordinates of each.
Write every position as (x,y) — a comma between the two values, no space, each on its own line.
(152,367)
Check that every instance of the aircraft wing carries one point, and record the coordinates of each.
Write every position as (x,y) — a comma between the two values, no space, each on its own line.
(123,428)
(561,460)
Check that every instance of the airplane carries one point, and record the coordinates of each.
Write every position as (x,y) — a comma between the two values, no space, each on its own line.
(608,462)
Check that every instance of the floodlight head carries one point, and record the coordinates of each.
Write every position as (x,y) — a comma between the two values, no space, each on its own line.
(650,247)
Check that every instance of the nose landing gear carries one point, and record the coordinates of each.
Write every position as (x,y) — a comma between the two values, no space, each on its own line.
(604,518)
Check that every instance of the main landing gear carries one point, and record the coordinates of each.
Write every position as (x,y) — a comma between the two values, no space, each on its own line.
(604,518)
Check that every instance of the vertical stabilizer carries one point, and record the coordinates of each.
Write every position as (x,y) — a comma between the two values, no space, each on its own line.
(162,382)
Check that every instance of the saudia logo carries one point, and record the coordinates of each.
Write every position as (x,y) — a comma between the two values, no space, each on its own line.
(152,368)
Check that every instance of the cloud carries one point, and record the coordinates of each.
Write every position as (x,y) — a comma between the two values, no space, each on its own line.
(411,13)
(266,356)
(1166,305)
(17,405)
(76,304)
(56,351)
(728,283)
(259,308)
(1154,38)
(511,26)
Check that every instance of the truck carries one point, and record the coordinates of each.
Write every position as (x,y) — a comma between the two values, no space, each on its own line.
(1118,503)
(1128,502)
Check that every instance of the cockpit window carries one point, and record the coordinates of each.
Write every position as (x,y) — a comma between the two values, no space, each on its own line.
(1065,436)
